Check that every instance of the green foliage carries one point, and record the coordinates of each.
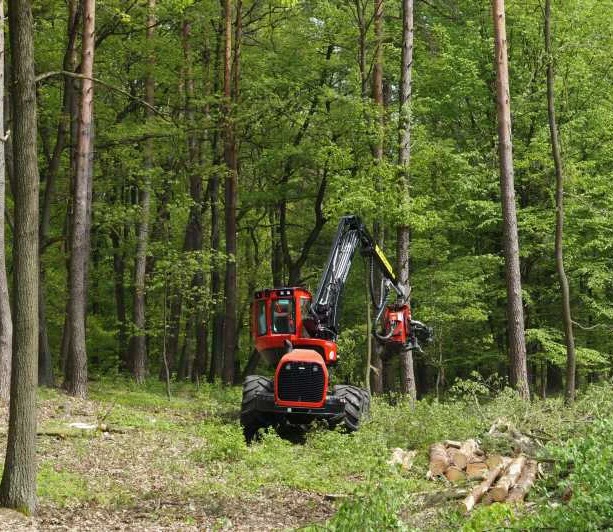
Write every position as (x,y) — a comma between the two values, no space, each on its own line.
(588,486)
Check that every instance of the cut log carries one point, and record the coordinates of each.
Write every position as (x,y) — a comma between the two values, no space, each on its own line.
(493,460)
(469,502)
(524,482)
(500,491)
(452,443)
(476,470)
(454,474)
(464,454)
(439,461)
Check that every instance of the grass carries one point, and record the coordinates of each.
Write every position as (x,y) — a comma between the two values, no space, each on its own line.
(184,462)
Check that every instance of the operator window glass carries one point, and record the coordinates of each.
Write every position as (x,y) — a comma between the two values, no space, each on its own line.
(261,318)
(283,316)
(305,307)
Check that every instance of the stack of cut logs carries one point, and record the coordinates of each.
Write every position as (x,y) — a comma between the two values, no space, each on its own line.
(503,478)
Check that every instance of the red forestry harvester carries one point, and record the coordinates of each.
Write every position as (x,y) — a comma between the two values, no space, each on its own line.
(296,332)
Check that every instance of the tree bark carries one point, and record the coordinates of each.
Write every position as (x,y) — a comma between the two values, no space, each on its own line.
(500,491)
(76,366)
(524,482)
(376,376)
(6,324)
(138,344)
(515,312)
(230,157)
(403,230)
(216,314)
(559,238)
(18,486)
(45,359)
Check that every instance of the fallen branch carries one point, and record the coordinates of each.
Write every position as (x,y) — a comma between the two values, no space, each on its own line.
(524,483)
(500,491)
(469,502)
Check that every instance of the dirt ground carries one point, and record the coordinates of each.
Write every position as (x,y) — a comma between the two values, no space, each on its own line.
(135,479)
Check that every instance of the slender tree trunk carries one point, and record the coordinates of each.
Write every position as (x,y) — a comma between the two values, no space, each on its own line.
(119,268)
(76,367)
(515,312)
(6,324)
(377,95)
(216,314)
(18,486)
(45,359)
(360,9)
(194,237)
(230,156)
(138,344)
(404,156)
(559,239)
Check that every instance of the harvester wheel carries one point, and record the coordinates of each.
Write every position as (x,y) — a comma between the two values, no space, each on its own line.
(253,420)
(357,404)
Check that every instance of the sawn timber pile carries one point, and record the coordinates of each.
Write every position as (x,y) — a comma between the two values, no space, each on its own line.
(502,478)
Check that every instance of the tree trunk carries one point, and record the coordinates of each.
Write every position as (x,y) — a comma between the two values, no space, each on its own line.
(76,366)
(119,269)
(230,156)
(377,96)
(515,312)
(138,344)
(559,239)
(18,486)
(193,231)
(360,9)
(404,156)
(6,324)
(216,314)
(45,359)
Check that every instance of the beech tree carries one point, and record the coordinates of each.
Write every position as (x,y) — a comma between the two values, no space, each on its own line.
(515,311)
(559,237)
(138,344)
(6,324)
(231,182)
(18,486)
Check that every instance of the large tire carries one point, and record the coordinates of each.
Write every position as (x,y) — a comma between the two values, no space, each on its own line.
(252,419)
(357,405)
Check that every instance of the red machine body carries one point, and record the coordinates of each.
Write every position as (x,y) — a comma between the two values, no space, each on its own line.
(278,316)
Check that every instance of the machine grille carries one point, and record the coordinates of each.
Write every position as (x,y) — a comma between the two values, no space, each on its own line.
(301,382)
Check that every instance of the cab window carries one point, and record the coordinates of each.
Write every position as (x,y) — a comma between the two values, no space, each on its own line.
(283,316)
(261,318)
(305,307)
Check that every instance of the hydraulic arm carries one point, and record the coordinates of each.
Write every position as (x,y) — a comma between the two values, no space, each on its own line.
(350,235)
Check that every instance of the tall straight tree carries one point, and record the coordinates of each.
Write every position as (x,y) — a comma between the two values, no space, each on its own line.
(230,156)
(6,324)
(377,376)
(76,363)
(515,311)
(138,344)
(62,139)
(559,246)
(18,486)
(404,156)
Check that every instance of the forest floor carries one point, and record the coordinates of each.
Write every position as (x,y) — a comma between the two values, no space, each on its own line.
(155,464)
